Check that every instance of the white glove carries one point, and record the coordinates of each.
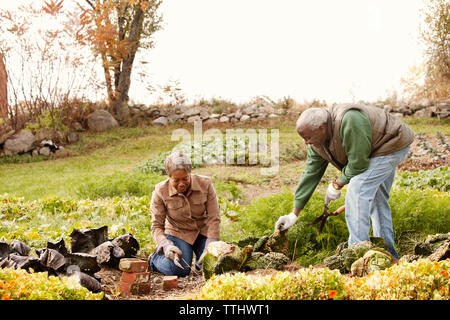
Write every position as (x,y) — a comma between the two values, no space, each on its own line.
(205,251)
(332,194)
(168,248)
(285,222)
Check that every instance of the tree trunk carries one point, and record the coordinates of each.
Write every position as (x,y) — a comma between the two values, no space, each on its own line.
(3,89)
(120,106)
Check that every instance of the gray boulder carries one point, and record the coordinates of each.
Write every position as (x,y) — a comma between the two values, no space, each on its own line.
(23,141)
(211,121)
(192,112)
(424,113)
(161,121)
(194,119)
(45,151)
(214,116)
(101,120)
(204,114)
(174,118)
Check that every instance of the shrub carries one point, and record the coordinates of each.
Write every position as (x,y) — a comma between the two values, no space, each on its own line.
(305,284)
(21,285)
(436,179)
(419,280)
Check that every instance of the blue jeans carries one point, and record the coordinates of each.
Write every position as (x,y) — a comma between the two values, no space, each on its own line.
(367,199)
(166,266)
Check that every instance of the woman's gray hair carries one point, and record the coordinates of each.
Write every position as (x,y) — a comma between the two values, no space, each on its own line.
(312,118)
(177,161)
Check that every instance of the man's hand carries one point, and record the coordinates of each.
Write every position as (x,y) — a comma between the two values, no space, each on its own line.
(286,221)
(332,194)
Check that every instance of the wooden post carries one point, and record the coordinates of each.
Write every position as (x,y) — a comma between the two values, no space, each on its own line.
(3,88)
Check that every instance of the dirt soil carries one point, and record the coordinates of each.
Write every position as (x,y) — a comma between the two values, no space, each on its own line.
(187,286)
(422,160)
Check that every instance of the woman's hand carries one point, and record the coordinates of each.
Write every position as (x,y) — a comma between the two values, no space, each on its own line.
(169,249)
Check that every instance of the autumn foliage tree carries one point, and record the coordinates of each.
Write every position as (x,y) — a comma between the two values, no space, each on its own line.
(44,68)
(431,79)
(115,30)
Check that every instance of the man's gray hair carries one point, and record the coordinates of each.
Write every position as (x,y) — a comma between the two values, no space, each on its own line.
(312,118)
(177,161)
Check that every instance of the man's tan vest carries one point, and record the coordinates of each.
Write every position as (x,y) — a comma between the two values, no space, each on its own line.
(389,134)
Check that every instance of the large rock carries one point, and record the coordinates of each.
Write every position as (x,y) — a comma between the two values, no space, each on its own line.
(174,118)
(161,121)
(194,119)
(45,151)
(192,112)
(23,141)
(101,120)
(244,118)
(424,113)
(211,121)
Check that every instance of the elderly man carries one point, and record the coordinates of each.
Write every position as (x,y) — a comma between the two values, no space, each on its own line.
(185,217)
(366,144)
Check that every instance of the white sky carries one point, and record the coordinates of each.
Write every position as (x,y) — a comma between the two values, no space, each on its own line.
(323,49)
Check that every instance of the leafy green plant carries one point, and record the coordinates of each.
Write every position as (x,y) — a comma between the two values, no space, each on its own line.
(21,285)
(48,119)
(154,164)
(305,284)
(436,179)
(419,280)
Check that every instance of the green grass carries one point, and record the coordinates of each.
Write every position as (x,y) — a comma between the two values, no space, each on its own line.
(97,156)
(428,125)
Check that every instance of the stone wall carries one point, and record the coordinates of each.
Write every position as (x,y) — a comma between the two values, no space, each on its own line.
(49,142)
(265,110)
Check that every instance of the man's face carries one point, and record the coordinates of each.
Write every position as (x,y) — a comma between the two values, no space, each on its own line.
(180,180)
(317,138)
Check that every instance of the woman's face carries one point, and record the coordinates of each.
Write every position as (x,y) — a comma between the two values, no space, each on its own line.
(180,180)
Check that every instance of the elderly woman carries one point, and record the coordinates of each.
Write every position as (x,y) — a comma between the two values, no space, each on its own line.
(185,217)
